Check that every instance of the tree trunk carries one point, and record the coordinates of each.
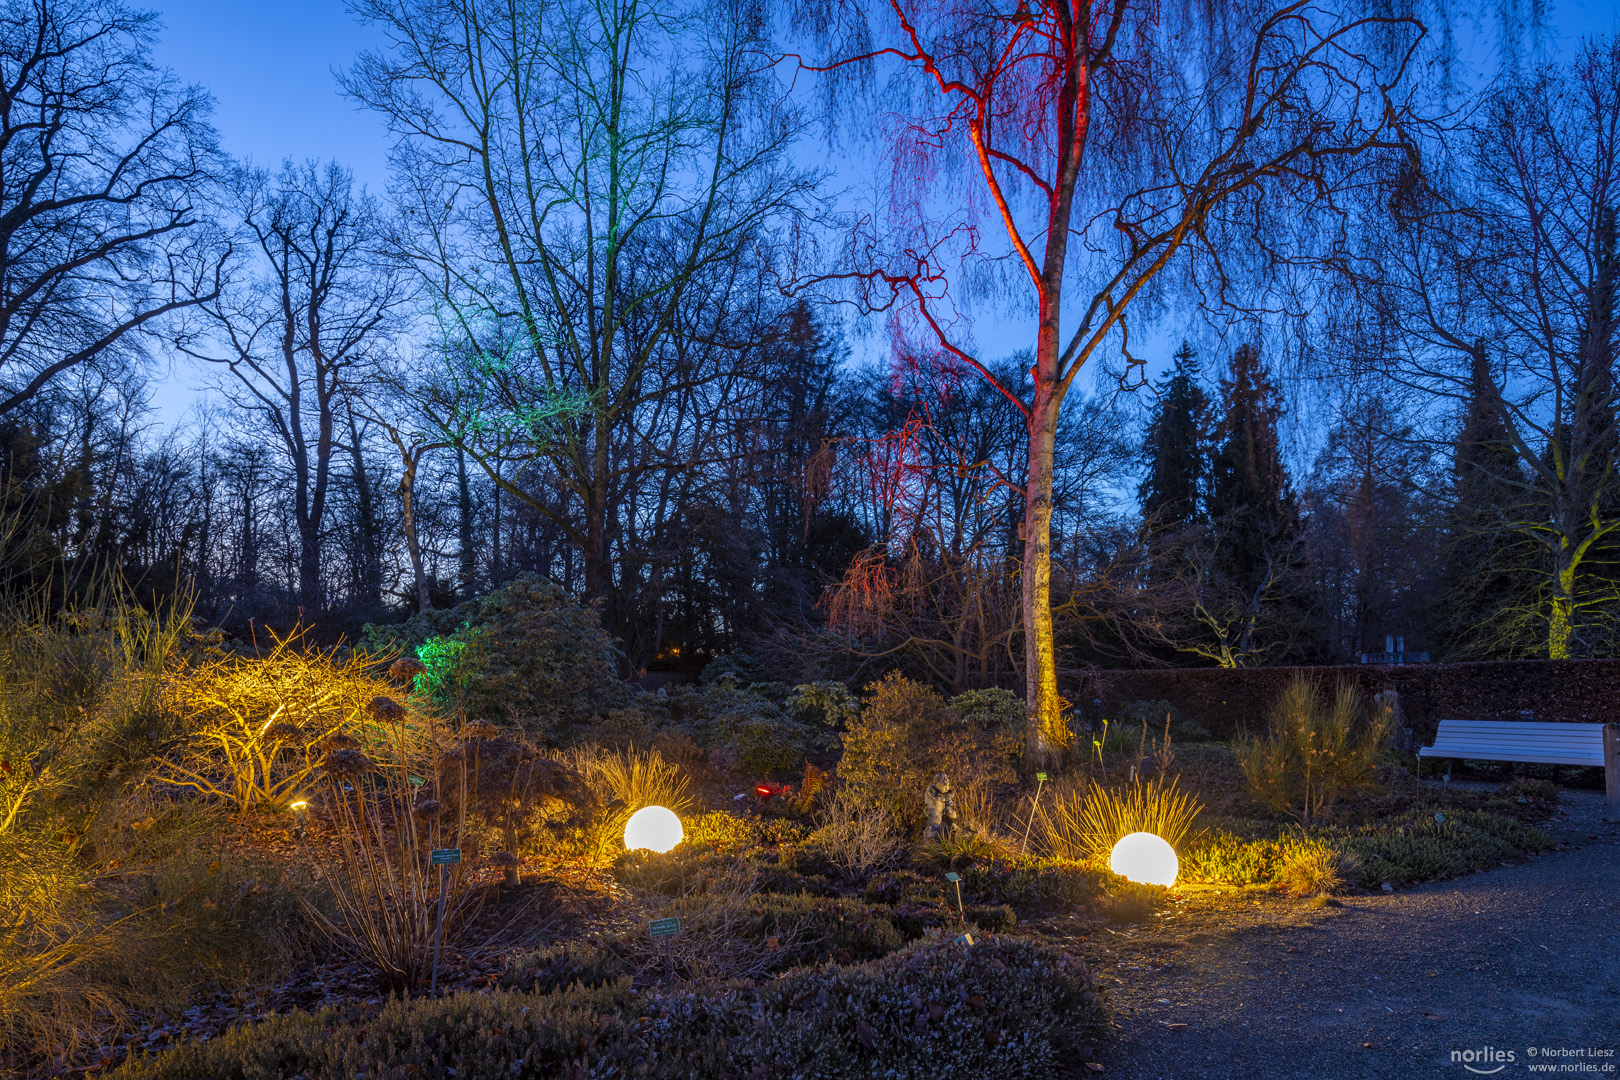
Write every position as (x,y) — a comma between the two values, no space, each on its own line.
(1044,734)
(413,541)
(310,599)
(468,586)
(368,591)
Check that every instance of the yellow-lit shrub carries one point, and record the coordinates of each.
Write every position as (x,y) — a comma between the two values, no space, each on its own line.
(258,727)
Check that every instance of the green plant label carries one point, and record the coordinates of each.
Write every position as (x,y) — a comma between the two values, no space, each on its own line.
(1440,818)
(1041,777)
(953,876)
(665,927)
(443,855)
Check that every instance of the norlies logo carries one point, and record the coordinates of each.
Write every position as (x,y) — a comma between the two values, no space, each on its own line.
(1489,1059)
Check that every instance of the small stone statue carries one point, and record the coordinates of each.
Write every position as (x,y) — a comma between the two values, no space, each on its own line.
(939,808)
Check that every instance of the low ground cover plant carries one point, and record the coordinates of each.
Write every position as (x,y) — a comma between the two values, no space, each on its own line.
(1005,1008)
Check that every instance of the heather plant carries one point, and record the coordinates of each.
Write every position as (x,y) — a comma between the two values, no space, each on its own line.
(1314,751)
(1006,1009)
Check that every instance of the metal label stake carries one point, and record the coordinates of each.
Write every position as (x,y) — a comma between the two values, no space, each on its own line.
(1040,779)
(666,929)
(956,879)
(442,858)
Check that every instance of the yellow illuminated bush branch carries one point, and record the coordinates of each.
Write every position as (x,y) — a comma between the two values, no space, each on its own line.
(258,725)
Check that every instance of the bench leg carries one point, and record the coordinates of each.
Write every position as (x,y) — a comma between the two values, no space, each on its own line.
(1611,769)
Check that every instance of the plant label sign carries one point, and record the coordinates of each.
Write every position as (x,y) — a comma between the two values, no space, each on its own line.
(1041,777)
(953,876)
(665,927)
(965,939)
(444,855)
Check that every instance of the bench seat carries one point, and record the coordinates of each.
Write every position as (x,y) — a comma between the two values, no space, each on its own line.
(1537,743)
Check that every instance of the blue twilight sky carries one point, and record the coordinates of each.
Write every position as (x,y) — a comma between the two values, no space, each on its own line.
(270,68)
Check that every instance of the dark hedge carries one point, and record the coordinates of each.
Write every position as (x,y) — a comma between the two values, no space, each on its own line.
(1229,701)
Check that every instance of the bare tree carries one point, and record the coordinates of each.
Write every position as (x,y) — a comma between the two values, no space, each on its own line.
(103,162)
(1111,138)
(301,329)
(586,190)
(1488,280)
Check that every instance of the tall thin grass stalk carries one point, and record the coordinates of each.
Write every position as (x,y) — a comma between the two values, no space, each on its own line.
(48,999)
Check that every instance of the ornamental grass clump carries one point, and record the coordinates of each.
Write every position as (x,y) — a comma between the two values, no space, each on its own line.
(385,889)
(624,781)
(1314,751)
(1083,822)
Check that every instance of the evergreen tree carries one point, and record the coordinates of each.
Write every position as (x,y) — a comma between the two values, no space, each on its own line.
(1249,497)
(1486,566)
(1175,448)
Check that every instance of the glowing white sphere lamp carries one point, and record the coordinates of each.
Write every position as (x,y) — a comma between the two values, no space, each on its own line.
(653,828)
(1146,859)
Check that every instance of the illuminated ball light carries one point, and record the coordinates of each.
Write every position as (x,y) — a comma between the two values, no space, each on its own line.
(653,828)
(1145,859)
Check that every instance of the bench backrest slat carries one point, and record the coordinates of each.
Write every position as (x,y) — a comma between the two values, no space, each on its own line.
(1518,740)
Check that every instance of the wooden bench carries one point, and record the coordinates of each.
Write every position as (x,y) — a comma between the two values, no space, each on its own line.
(1536,743)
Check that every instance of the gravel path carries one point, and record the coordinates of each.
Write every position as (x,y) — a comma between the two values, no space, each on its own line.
(1522,956)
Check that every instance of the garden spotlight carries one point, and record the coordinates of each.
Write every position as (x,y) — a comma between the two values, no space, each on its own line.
(654,828)
(1146,859)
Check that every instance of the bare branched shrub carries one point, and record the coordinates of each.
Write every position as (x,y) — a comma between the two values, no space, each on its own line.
(513,790)
(385,890)
(259,725)
(857,836)
(716,907)
(1314,751)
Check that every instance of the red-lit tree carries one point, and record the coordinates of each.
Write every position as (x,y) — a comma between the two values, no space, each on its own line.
(1111,138)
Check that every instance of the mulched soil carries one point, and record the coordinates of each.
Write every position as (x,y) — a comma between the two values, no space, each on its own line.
(1233,983)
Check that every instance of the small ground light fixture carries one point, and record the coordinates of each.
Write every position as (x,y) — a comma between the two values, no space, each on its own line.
(654,828)
(1146,859)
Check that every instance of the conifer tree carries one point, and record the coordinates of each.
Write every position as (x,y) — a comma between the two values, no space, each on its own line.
(1176,448)
(1249,497)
